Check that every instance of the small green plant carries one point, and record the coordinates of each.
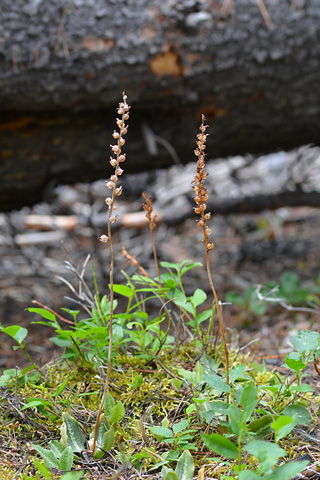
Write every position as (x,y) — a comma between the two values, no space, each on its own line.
(240,424)
(183,471)
(61,454)
(178,436)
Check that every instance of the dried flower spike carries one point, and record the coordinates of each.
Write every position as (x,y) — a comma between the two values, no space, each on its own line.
(201,196)
(201,192)
(149,209)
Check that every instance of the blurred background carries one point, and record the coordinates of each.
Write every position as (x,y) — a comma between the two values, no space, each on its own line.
(253,69)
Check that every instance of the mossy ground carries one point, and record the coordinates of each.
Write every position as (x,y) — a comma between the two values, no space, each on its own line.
(148,392)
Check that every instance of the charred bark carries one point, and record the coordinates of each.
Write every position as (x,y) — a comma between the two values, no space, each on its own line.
(254,73)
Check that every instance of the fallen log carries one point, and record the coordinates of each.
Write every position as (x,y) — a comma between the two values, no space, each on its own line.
(251,67)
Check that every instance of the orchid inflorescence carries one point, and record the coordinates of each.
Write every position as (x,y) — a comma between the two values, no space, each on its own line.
(115,162)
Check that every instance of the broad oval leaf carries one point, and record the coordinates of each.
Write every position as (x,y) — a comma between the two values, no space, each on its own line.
(16,332)
(300,413)
(221,445)
(185,466)
(217,383)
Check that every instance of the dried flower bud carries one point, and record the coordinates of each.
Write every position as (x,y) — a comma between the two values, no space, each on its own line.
(124,130)
(122,157)
(126,116)
(110,185)
(112,219)
(119,171)
(210,246)
(113,162)
(118,191)
(113,178)
(207,216)
(121,141)
(120,123)
(208,231)
(115,148)
(116,134)
(103,239)
(120,111)
(201,222)
(108,200)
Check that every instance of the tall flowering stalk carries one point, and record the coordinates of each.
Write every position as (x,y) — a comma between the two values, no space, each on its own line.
(201,196)
(115,160)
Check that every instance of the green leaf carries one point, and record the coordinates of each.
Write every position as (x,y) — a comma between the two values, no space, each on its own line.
(170,283)
(66,459)
(179,426)
(48,456)
(170,265)
(221,445)
(42,469)
(236,420)
(208,363)
(60,388)
(71,433)
(289,282)
(217,383)
(171,475)
(189,266)
(267,453)
(306,341)
(300,413)
(57,448)
(44,313)
(106,444)
(7,376)
(198,297)
(36,402)
(117,413)
(185,466)
(123,290)
(287,471)
(249,475)
(261,426)
(161,433)
(103,427)
(108,405)
(235,298)
(303,387)
(16,332)
(73,475)
(249,399)
(283,426)
(203,316)
(236,372)
(294,362)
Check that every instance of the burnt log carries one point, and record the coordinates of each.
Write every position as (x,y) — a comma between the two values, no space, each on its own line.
(253,68)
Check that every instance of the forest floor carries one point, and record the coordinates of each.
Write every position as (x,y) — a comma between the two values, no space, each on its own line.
(249,249)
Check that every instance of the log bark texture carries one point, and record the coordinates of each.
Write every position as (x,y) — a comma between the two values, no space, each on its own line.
(253,68)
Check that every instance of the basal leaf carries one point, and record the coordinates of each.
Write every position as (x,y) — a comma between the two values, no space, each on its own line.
(219,444)
(185,466)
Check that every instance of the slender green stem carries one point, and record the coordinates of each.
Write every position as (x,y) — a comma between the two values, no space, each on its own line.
(219,317)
